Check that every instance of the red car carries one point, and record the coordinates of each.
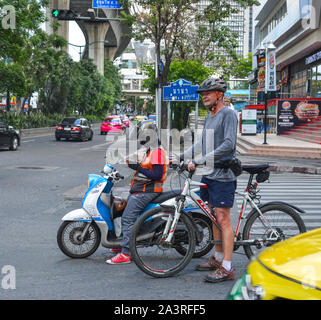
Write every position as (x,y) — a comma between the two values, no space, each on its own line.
(112,124)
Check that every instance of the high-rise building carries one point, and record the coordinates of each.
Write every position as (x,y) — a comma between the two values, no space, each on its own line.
(241,23)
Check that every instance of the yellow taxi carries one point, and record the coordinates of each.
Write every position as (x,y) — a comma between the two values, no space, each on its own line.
(287,270)
(139,119)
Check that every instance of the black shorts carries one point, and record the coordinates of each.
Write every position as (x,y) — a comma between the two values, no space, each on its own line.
(218,194)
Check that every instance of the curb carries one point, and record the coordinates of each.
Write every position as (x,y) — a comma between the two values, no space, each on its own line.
(37,131)
(295,169)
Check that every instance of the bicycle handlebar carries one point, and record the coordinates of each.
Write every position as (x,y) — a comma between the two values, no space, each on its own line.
(182,167)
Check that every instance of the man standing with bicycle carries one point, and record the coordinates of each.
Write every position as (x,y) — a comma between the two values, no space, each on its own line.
(217,147)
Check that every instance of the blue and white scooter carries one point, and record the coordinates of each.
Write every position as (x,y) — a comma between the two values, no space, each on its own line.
(99,219)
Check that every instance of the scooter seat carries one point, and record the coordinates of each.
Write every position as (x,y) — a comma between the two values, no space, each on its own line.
(166,195)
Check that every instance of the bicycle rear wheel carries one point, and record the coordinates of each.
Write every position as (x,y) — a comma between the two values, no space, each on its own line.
(151,254)
(283,219)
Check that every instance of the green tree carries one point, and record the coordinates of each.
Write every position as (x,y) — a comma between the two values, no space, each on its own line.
(27,47)
(189,70)
(89,89)
(169,22)
(114,86)
(242,67)
(29,15)
(56,89)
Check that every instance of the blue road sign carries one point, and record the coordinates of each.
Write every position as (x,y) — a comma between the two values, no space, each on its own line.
(106,4)
(180,90)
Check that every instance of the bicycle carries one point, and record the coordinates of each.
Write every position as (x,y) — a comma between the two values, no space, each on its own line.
(170,248)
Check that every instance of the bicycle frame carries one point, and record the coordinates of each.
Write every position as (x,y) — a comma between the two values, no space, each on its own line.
(187,191)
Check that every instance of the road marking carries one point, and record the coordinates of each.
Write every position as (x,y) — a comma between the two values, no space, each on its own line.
(108,144)
(299,190)
(95,146)
(28,140)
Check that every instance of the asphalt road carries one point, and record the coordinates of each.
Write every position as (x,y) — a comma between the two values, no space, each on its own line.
(34,182)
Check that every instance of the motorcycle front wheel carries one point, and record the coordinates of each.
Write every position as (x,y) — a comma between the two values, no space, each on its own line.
(69,239)
(151,253)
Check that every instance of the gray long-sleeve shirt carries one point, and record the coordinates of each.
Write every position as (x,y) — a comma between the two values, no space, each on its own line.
(217,143)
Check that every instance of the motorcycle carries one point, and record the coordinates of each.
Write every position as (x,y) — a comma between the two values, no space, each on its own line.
(98,222)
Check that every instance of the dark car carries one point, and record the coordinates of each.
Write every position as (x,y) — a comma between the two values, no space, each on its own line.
(9,137)
(74,128)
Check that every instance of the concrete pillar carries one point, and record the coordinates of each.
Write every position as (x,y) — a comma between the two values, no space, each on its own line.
(96,36)
(110,52)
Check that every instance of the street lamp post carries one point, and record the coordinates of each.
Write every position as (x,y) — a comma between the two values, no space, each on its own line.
(267,47)
(86,45)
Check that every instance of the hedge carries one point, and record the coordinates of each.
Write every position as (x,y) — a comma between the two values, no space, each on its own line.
(39,120)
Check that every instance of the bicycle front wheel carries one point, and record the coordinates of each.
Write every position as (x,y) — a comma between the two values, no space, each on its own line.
(149,250)
(285,223)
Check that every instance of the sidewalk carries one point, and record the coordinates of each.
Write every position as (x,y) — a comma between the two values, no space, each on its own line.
(282,153)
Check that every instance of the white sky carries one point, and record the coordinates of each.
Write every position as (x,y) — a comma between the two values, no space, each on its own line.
(75,37)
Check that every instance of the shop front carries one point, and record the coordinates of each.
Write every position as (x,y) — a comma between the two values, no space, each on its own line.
(271,115)
(302,79)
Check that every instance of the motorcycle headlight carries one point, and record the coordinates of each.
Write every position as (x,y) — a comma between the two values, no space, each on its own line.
(244,290)
(108,168)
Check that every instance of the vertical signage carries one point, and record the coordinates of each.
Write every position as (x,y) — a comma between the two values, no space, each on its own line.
(270,80)
(261,71)
(249,121)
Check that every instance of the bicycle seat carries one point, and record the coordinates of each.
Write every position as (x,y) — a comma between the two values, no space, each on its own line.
(255,168)
(166,196)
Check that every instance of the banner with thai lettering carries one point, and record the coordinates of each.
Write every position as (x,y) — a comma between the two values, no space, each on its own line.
(270,80)
(261,72)
(292,113)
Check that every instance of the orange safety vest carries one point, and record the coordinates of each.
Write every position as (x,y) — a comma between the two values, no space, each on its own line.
(156,156)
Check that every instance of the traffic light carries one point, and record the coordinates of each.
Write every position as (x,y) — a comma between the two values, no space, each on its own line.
(64,14)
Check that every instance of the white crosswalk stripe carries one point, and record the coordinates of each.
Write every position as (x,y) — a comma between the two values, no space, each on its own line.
(303,191)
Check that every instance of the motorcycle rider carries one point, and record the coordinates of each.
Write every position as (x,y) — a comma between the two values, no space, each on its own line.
(145,186)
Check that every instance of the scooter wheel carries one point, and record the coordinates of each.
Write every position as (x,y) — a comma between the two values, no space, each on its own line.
(69,239)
